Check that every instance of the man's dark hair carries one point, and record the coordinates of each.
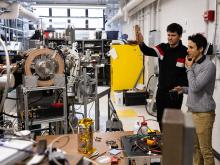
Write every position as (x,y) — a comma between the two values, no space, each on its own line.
(175,27)
(199,40)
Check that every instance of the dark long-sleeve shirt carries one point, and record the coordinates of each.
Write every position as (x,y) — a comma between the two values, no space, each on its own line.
(172,70)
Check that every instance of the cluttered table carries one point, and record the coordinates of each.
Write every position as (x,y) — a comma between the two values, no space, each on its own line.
(101,145)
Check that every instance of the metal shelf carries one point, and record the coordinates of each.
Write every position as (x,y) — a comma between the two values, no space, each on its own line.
(42,88)
(48,120)
(24,91)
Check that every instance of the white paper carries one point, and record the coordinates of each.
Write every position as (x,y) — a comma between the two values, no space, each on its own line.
(114,151)
(113,53)
(155,160)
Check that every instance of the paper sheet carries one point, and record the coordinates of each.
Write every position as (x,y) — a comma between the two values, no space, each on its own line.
(113,53)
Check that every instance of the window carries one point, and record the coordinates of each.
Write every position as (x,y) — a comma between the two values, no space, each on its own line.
(98,22)
(78,22)
(77,12)
(77,16)
(59,22)
(41,11)
(95,12)
(45,23)
(59,12)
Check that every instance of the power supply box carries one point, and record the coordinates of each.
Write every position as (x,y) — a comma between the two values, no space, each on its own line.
(135,98)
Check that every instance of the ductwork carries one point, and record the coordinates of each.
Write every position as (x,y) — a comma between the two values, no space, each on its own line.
(129,7)
(115,17)
(131,4)
(14,10)
(4,4)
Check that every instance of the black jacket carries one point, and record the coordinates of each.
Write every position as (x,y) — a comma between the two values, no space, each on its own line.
(172,70)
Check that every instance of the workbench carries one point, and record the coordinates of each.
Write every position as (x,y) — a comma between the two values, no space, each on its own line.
(73,155)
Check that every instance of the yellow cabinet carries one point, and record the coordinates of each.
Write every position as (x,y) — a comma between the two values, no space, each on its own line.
(126,66)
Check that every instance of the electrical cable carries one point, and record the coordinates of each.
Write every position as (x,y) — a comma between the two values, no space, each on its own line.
(50,147)
(11,98)
(78,108)
(149,129)
(8,75)
(71,127)
(150,113)
(2,71)
(90,109)
(148,82)
(35,101)
(10,115)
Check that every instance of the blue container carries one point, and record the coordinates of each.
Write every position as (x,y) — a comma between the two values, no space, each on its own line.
(112,35)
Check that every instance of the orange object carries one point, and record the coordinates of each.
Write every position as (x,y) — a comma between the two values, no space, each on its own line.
(151,142)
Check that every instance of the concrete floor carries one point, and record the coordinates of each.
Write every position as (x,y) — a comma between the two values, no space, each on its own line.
(129,122)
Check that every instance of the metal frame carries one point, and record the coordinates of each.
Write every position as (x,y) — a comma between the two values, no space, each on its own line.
(100,91)
(63,118)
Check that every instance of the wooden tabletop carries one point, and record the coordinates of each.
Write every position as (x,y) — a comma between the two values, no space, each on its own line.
(100,146)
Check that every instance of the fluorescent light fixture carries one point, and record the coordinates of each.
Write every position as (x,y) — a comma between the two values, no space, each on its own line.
(70,6)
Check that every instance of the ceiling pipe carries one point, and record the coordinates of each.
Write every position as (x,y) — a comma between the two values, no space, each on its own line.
(4,4)
(142,5)
(27,14)
(115,17)
(14,10)
(127,8)
(124,12)
(11,12)
(130,5)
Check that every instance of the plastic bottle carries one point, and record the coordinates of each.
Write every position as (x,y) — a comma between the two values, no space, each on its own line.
(144,128)
(70,34)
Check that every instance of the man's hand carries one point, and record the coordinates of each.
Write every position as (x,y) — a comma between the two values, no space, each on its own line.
(179,89)
(189,61)
(138,35)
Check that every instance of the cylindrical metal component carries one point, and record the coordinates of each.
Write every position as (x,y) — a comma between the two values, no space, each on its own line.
(85,136)
(3,81)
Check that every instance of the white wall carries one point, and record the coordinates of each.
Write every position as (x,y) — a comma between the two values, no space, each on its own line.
(189,14)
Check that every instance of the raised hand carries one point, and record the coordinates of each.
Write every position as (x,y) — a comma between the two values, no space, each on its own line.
(138,35)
